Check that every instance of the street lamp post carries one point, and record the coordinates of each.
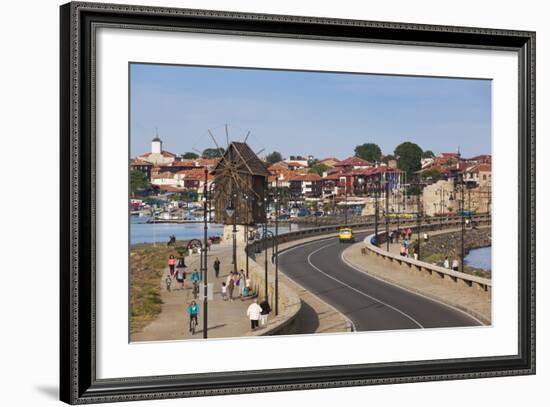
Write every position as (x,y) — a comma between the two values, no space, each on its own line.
(377,189)
(346,204)
(247,198)
(277,209)
(265,246)
(204,279)
(235,235)
(231,213)
(462,225)
(387,211)
(205,268)
(418,219)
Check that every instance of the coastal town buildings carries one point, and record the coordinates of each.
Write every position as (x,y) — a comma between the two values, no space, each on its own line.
(349,181)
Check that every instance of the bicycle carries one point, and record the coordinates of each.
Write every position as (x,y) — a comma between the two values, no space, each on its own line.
(195,290)
(193,324)
(168,282)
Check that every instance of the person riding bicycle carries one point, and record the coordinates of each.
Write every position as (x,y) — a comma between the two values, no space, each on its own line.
(195,278)
(193,311)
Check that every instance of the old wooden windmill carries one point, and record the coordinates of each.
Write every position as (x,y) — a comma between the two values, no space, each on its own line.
(240,182)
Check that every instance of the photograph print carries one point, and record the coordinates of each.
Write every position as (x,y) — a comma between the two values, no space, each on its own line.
(279,202)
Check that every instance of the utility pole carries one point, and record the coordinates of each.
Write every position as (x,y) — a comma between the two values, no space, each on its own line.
(377,189)
(346,205)
(277,206)
(235,234)
(266,203)
(205,251)
(418,220)
(462,224)
(248,206)
(387,211)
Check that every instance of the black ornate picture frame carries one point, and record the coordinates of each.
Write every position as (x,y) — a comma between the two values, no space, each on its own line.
(78,380)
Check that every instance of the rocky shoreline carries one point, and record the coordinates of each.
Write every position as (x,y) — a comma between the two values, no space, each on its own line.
(449,244)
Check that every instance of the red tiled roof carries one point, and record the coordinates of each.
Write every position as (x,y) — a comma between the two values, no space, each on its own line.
(334,176)
(295,164)
(353,162)
(184,163)
(170,188)
(161,175)
(305,177)
(164,154)
(196,174)
(137,161)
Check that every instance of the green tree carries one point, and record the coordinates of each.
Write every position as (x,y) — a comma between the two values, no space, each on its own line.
(369,151)
(408,156)
(138,181)
(213,152)
(428,154)
(190,156)
(432,174)
(274,157)
(318,168)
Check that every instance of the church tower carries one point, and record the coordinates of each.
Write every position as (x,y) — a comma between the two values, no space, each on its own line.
(156,145)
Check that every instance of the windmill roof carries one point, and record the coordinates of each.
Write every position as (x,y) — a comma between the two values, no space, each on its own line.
(246,161)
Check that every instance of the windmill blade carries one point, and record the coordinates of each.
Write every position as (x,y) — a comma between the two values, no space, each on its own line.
(226,134)
(244,161)
(246,138)
(219,148)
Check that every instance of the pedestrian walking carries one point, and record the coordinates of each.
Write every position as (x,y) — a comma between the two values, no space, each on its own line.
(180,277)
(455,265)
(172,265)
(425,236)
(195,278)
(266,309)
(446,263)
(241,283)
(409,233)
(247,287)
(253,313)
(224,291)
(391,237)
(230,288)
(217,267)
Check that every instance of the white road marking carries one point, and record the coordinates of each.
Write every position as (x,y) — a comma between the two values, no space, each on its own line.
(409,291)
(355,289)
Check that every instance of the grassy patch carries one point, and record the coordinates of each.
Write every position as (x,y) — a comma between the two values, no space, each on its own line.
(147,265)
(435,258)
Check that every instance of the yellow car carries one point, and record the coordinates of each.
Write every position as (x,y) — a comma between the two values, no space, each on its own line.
(346,235)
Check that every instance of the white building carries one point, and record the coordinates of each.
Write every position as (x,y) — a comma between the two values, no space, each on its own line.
(157,156)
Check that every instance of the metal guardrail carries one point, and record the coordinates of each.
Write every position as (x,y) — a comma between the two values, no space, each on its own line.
(428,224)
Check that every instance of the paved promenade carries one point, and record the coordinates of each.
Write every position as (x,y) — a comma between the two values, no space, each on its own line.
(225,318)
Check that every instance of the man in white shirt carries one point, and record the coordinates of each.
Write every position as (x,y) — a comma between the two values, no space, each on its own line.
(253,312)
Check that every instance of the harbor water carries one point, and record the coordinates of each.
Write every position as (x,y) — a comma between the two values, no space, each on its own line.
(479,258)
(142,232)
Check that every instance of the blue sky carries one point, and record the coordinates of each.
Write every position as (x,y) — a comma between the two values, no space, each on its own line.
(302,113)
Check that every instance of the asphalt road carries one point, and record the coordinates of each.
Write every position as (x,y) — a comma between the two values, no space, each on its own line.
(369,303)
